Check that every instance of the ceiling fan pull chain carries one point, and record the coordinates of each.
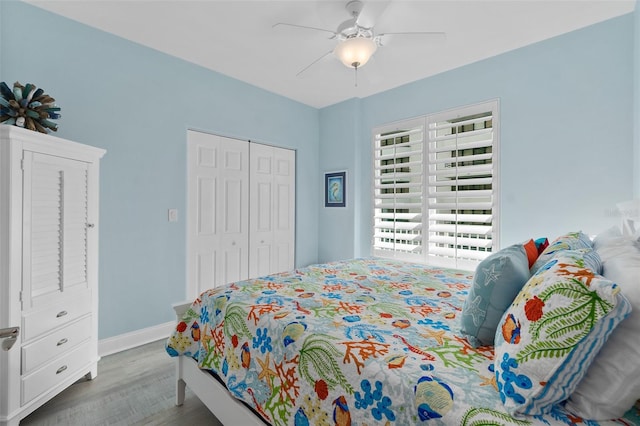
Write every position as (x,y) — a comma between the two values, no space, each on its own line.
(356,68)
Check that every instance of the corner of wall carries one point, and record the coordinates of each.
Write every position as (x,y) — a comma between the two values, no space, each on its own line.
(339,128)
(2,49)
(357,185)
(636,101)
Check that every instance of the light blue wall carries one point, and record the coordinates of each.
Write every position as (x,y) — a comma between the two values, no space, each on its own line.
(636,74)
(566,141)
(138,103)
(339,127)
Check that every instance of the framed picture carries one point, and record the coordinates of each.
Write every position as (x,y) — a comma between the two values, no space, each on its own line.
(335,189)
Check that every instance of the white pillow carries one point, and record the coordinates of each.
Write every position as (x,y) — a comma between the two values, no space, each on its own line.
(604,238)
(612,383)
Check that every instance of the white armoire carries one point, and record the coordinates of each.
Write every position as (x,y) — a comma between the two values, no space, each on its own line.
(241,210)
(48,267)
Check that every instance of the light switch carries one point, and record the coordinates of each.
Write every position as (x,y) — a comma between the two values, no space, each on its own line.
(173,215)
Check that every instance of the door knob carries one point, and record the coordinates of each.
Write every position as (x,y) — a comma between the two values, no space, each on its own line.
(9,337)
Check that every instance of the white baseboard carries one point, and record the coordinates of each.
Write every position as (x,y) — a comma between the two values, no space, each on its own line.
(133,339)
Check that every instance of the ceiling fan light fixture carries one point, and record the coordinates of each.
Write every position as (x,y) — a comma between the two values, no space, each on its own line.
(354,52)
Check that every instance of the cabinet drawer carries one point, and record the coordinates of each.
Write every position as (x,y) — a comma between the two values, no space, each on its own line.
(46,319)
(55,344)
(56,372)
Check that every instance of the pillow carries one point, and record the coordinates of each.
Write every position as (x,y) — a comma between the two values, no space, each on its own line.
(570,241)
(531,249)
(496,282)
(604,238)
(551,333)
(541,245)
(612,383)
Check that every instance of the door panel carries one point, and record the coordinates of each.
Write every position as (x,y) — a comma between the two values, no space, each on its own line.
(206,211)
(283,258)
(272,181)
(207,156)
(264,207)
(205,267)
(217,204)
(283,208)
(234,267)
(263,253)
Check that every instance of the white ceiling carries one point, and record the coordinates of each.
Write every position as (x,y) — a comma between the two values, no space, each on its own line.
(237,38)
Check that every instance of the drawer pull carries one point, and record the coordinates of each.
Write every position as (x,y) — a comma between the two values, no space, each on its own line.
(61,369)
(62,342)
(61,314)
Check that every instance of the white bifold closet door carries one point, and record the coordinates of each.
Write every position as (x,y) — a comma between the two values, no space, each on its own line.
(240,219)
(271,213)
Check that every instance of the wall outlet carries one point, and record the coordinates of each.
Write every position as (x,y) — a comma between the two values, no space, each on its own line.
(173,215)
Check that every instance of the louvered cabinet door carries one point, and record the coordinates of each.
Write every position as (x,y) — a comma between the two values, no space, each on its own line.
(55,227)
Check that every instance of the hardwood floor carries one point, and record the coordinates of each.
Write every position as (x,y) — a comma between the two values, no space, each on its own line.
(133,387)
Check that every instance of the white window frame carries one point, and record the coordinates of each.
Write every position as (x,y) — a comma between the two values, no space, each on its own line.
(426,123)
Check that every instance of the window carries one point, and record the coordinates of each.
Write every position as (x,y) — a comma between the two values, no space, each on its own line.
(435,187)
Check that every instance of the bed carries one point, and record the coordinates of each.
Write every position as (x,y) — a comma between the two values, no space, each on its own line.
(375,341)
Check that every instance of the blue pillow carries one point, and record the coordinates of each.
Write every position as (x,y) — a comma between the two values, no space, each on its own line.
(496,283)
(569,241)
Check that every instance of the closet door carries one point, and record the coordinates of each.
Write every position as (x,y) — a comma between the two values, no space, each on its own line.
(55,228)
(272,214)
(218,196)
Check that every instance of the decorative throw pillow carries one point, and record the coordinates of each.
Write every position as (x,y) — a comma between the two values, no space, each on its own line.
(497,281)
(552,331)
(531,249)
(570,241)
(612,383)
(541,245)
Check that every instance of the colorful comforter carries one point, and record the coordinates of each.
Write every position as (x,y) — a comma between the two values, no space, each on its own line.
(361,342)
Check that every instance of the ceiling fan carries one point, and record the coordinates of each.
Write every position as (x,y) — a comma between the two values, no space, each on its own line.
(357,40)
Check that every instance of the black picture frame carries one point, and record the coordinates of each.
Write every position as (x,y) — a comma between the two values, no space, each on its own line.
(335,189)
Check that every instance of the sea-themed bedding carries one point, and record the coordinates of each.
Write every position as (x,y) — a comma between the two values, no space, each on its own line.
(361,342)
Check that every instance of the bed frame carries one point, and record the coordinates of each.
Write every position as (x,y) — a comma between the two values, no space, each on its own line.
(228,409)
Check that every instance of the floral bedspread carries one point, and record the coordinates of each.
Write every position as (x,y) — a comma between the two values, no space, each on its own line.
(360,342)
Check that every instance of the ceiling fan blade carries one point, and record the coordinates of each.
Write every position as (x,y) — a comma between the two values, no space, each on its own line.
(433,35)
(438,34)
(371,12)
(333,33)
(314,62)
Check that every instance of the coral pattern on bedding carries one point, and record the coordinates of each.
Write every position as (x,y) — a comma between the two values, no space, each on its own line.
(360,342)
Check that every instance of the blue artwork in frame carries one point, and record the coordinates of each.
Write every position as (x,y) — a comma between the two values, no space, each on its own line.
(335,189)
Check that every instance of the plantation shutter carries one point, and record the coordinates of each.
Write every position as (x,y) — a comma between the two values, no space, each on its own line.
(460,188)
(398,185)
(435,188)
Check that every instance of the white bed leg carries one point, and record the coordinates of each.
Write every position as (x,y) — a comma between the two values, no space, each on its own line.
(180,387)
(180,383)
(180,309)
